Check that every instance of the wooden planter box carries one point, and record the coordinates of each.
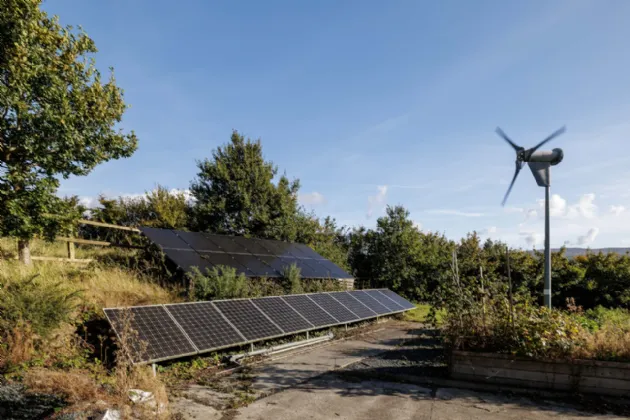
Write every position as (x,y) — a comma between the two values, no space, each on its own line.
(584,376)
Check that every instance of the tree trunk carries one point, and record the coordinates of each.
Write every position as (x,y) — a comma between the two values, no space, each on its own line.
(24,251)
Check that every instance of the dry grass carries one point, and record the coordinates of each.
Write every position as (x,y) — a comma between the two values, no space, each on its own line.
(101,286)
(611,342)
(19,346)
(74,385)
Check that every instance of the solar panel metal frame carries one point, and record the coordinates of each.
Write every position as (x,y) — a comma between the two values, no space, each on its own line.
(209,349)
(291,308)
(315,327)
(383,292)
(264,338)
(282,334)
(384,300)
(374,314)
(370,299)
(323,294)
(159,359)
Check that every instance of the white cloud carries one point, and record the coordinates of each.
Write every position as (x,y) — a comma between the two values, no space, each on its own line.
(513,210)
(312,199)
(455,213)
(558,207)
(92,202)
(586,206)
(617,210)
(589,237)
(377,202)
(532,238)
(417,225)
(89,202)
(489,231)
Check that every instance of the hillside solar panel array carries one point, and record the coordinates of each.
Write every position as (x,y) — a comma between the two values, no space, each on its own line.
(249,256)
(163,332)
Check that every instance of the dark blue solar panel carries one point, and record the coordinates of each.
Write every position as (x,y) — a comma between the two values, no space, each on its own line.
(310,310)
(354,305)
(333,307)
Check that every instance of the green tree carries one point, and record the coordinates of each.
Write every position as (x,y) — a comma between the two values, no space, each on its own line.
(235,193)
(169,209)
(57,118)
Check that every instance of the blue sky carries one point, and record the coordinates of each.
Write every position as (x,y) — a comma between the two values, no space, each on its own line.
(371,103)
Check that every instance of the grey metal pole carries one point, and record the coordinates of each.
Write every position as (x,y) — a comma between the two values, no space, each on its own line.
(547,291)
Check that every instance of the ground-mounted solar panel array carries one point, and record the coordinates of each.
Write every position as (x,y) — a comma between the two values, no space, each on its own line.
(162,332)
(249,256)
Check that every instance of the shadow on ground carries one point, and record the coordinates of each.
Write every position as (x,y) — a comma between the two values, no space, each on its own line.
(417,370)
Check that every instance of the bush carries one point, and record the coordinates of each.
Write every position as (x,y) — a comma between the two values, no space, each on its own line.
(218,283)
(42,305)
(291,280)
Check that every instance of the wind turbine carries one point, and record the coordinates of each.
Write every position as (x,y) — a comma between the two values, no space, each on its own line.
(540,163)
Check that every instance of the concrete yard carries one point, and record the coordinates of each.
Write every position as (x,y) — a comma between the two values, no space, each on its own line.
(356,378)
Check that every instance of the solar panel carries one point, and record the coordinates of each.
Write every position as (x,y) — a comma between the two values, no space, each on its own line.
(332,270)
(226,244)
(252,245)
(247,319)
(369,301)
(168,331)
(152,333)
(384,300)
(278,248)
(333,307)
(306,268)
(204,325)
(309,310)
(255,265)
(187,259)
(165,238)
(306,252)
(281,264)
(354,305)
(282,314)
(217,259)
(198,241)
(397,298)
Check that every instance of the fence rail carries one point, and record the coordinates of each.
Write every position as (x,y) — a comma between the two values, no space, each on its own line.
(72,241)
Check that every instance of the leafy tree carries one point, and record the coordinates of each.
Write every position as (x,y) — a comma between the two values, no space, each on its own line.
(169,209)
(57,118)
(235,193)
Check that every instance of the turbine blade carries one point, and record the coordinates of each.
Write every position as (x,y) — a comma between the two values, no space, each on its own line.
(518,169)
(506,138)
(548,139)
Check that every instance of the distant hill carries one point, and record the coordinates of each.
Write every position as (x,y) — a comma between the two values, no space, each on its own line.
(573,252)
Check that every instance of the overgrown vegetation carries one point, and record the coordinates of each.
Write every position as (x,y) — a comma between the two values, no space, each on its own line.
(482,314)
(224,283)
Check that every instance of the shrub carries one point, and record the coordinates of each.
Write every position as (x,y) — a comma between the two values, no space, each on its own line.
(218,283)
(44,306)
(291,280)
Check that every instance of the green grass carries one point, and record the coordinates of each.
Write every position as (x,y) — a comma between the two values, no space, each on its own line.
(419,314)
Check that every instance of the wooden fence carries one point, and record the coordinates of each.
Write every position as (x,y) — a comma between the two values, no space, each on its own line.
(72,241)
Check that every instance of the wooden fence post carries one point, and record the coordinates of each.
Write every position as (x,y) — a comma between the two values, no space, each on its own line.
(70,250)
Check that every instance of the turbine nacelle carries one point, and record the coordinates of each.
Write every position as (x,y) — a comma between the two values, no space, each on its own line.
(533,155)
(552,157)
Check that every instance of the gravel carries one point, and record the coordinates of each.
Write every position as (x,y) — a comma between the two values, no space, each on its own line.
(16,404)
(421,355)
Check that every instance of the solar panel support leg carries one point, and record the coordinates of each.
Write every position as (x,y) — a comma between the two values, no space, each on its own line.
(251,347)
(346,327)
(307,335)
(154,367)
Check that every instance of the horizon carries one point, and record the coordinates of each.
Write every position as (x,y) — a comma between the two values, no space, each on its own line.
(372,105)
